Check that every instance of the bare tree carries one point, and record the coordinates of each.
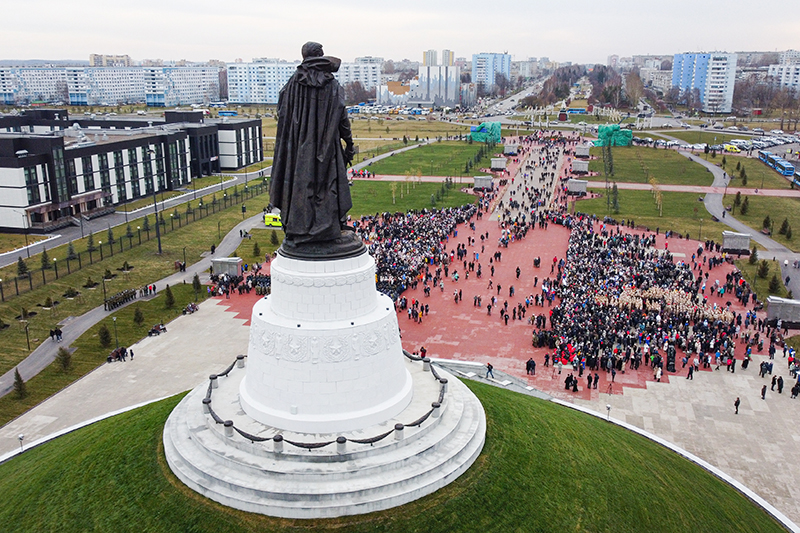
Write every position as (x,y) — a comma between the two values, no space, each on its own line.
(634,87)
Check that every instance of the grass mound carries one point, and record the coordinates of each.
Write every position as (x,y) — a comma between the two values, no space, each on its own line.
(544,468)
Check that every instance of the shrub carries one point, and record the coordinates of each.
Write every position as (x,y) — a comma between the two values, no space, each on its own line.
(107,274)
(138,316)
(753,256)
(763,270)
(64,359)
(196,285)
(46,263)
(22,267)
(19,385)
(90,247)
(784,226)
(256,250)
(169,298)
(789,233)
(767,222)
(70,292)
(48,302)
(104,336)
(745,206)
(774,284)
(71,251)
(273,238)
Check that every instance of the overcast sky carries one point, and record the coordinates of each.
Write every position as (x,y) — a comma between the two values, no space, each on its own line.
(583,31)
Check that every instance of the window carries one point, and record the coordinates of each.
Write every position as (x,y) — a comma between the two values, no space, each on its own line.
(32,185)
(88,173)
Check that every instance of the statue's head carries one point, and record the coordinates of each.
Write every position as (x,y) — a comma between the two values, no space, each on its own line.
(312,49)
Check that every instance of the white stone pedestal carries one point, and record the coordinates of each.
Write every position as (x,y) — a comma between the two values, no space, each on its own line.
(325,353)
(325,416)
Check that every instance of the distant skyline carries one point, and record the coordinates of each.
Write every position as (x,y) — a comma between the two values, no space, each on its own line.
(580,31)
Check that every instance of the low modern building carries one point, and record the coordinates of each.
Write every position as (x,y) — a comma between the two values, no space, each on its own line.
(54,169)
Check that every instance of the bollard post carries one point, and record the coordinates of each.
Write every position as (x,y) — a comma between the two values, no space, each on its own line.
(398,431)
(277,444)
(228,428)
(214,382)
(426,364)
(341,445)
(240,361)
(206,406)
(443,381)
(437,409)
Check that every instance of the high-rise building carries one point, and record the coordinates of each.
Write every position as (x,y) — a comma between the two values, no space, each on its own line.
(25,85)
(260,82)
(486,67)
(713,74)
(448,58)
(789,57)
(429,58)
(102,60)
(105,85)
(785,76)
(172,86)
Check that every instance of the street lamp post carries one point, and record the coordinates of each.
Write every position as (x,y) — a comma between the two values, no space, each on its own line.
(104,291)
(139,233)
(100,245)
(55,265)
(27,336)
(155,206)
(2,295)
(172,221)
(700,238)
(184,255)
(116,338)
(219,234)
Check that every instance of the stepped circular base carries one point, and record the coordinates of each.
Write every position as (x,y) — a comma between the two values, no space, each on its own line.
(280,479)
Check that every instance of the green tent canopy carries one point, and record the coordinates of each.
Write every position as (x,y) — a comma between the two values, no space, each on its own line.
(613,136)
(487,131)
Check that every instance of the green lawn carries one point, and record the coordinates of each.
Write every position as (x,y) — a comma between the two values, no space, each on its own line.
(438,159)
(89,354)
(681,212)
(636,164)
(544,468)
(778,209)
(708,137)
(14,241)
(761,285)
(759,175)
(370,197)
(262,236)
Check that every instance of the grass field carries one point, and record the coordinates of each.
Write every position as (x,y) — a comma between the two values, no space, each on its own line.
(777,209)
(636,164)
(761,285)
(15,241)
(196,238)
(439,159)
(89,354)
(681,212)
(544,468)
(370,197)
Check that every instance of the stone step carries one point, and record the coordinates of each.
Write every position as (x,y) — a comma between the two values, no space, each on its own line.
(383,478)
